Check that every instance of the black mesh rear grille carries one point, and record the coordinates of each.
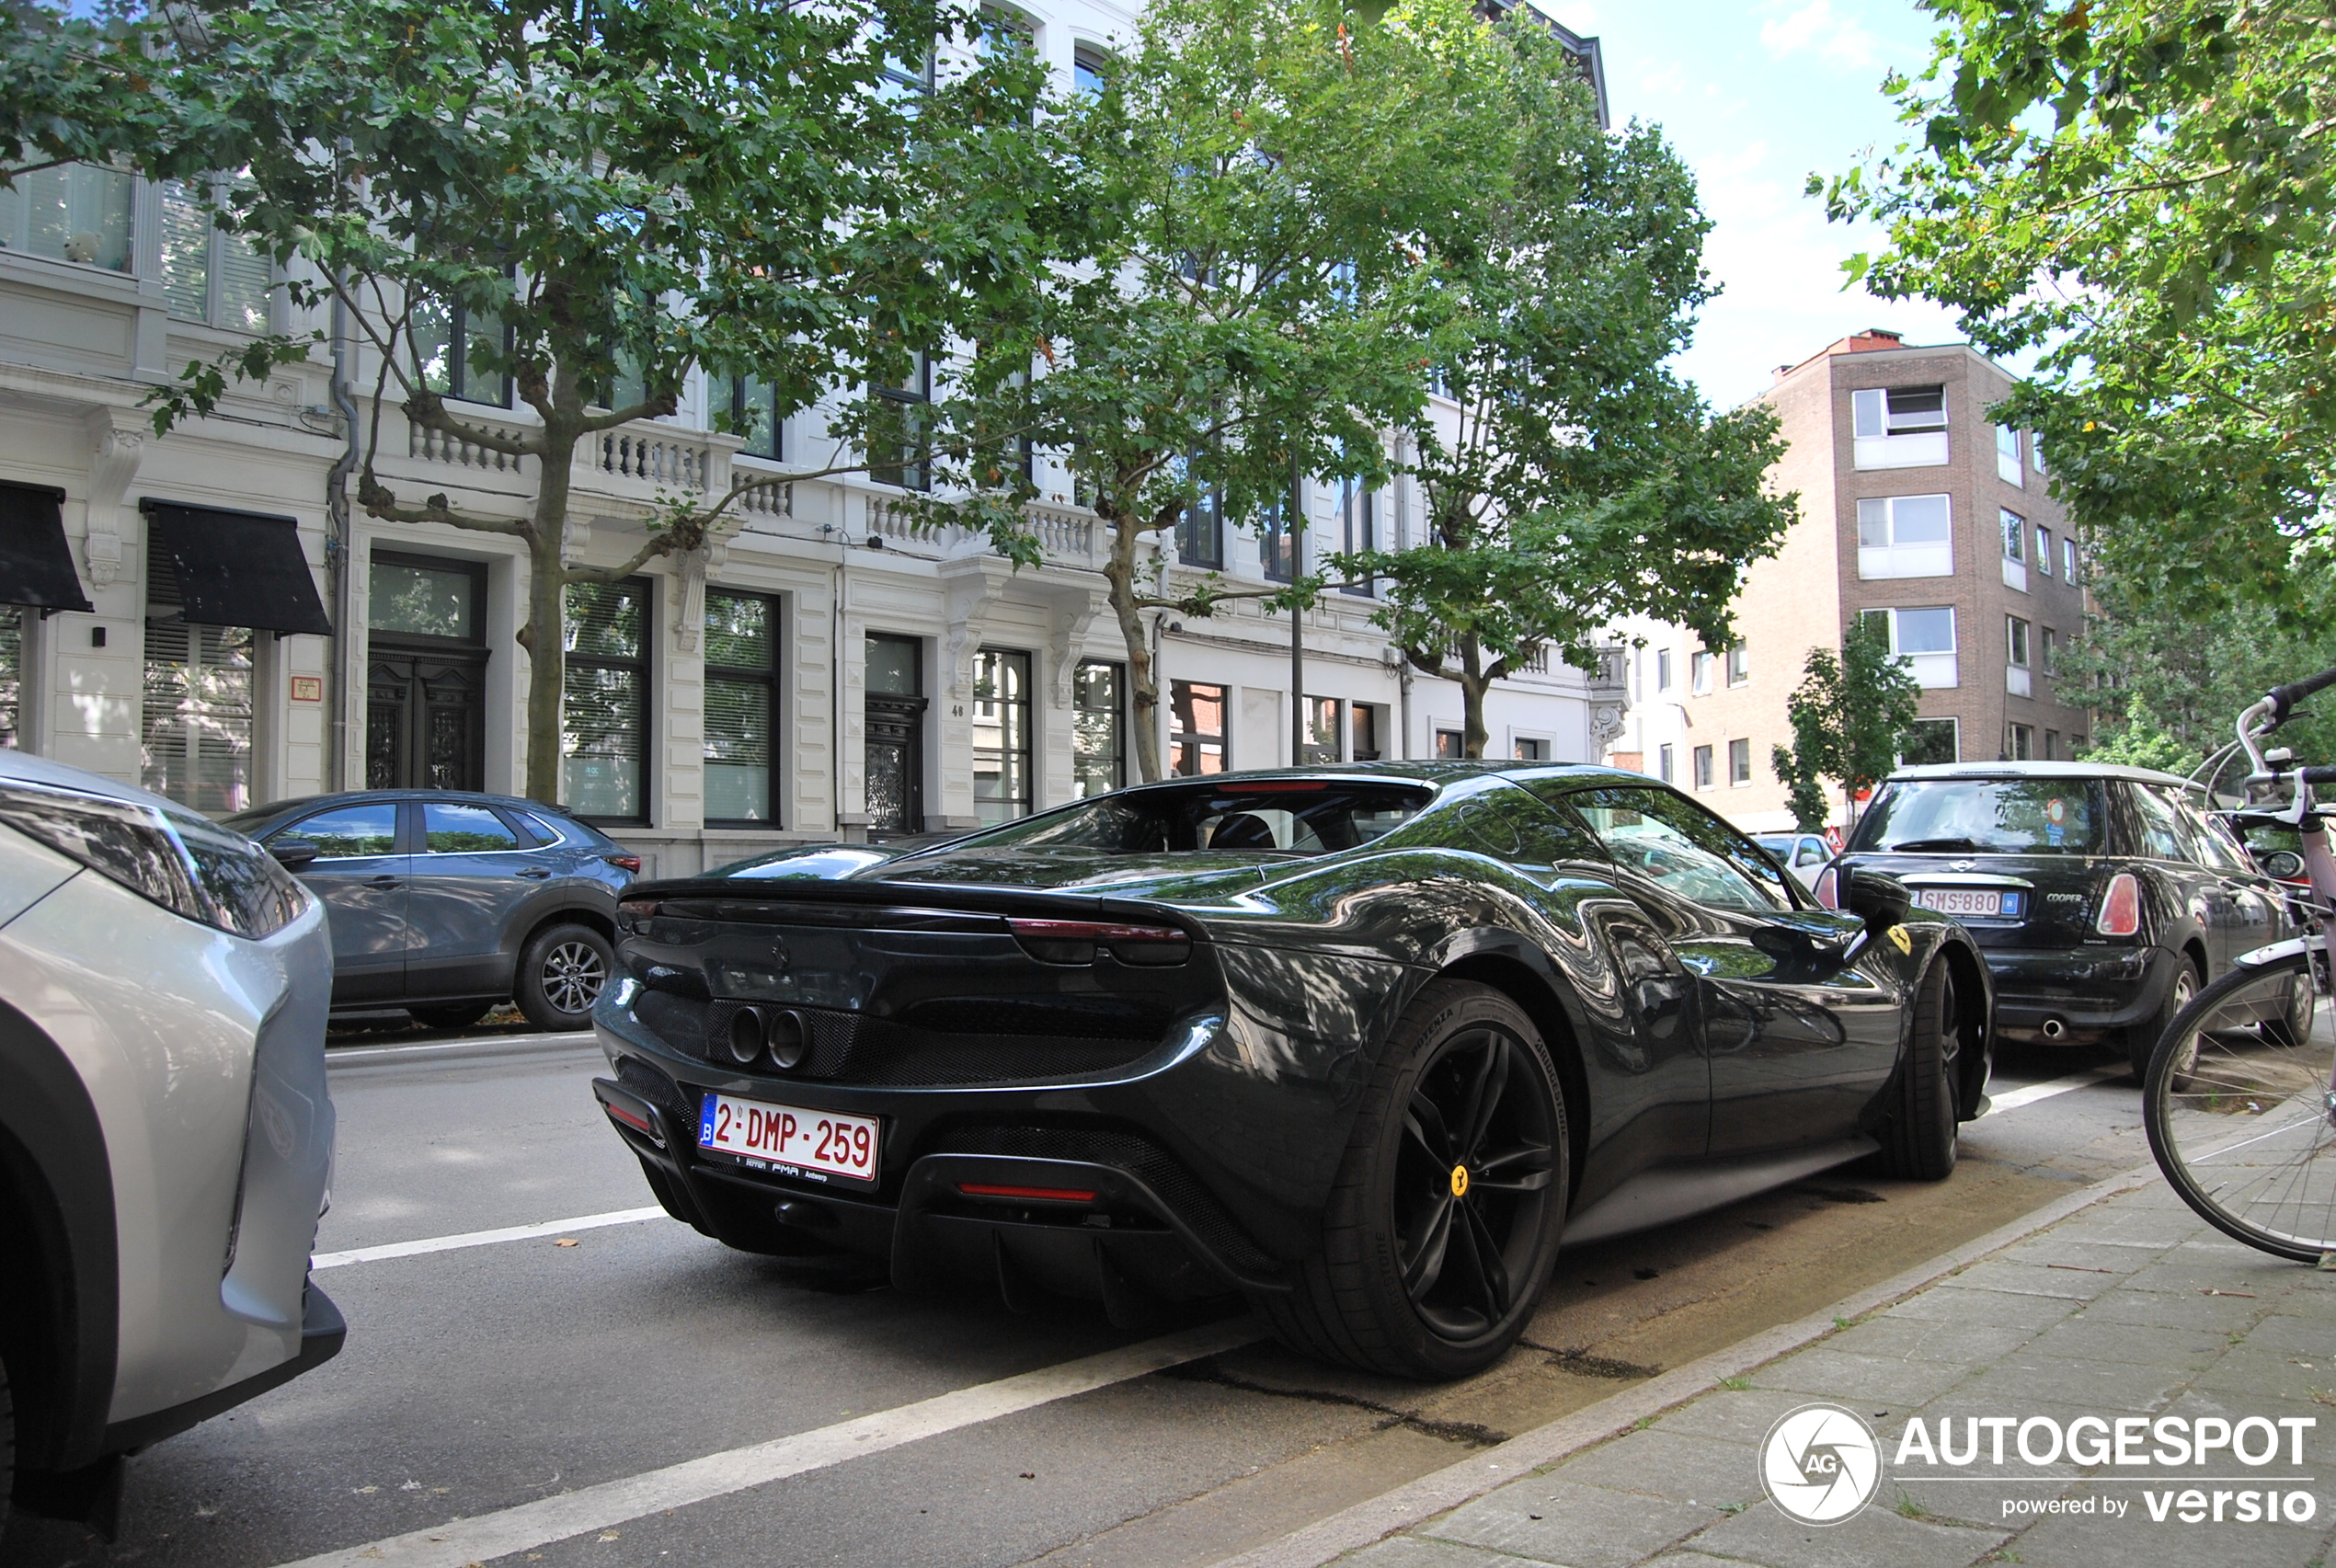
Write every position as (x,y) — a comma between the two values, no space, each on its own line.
(1133,1152)
(850,1047)
(653,1086)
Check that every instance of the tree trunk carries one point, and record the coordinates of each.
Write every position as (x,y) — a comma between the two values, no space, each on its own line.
(1143,680)
(1474,684)
(545,635)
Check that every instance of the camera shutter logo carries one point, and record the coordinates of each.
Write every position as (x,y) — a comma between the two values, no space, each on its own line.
(1820,1464)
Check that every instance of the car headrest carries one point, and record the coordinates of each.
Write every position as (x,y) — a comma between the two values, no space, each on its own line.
(1242,831)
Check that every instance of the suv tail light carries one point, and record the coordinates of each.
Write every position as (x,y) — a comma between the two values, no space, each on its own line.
(631,862)
(1827,892)
(2121,907)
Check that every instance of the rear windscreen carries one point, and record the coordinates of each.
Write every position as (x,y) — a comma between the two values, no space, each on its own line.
(1273,817)
(1983,816)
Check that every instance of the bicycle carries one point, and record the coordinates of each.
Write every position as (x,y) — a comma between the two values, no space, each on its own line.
(2240,1095)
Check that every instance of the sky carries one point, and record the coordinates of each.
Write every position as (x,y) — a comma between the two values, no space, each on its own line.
(1756,95)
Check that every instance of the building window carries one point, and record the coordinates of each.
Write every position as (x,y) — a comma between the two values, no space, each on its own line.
(1098,728)
(2015,533)
(2015,636)
(1905,536)
(2052,746)
(1699,672)
(604,707)
(755,414)
(1196,729)
(1277,549)
(1739,762)
(1322,732)
(198,709)
(1090,70)
(2044,551)
(75,212)
(1363,725)
(1925,639)
(1533,749)
(2069,560)
(11,677)
(1005,34)
(1200,532)
(1000,735)
(892,708)
(1930,742)
(1739,666)
(897,427)
(207,274)
(1899,426)
(2019,742)
(1450,743)
(461,355)
(741,706)
(2051,651)
(1663,670)
(2008,456)
(1359,520)
(1666,765)
(425,669)
(907,79)
(1702,767)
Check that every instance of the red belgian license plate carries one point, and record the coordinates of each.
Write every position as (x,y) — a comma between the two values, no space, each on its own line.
(791,1140)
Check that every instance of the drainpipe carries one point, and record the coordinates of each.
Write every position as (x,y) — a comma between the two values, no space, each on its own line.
(337,562)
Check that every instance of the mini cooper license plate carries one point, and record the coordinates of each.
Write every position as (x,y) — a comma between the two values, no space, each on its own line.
(1968,900)
(790,1139)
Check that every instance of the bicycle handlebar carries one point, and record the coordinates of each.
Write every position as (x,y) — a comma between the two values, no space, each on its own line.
(2282,699)
(2318,775)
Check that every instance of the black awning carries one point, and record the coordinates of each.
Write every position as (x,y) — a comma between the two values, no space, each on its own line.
(237,568)
(36,563)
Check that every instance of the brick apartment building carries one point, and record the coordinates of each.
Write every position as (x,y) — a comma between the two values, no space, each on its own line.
(1914,508)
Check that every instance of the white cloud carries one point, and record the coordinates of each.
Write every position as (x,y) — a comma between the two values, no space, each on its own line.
(1662,84)
(1816,29)
(1578,15)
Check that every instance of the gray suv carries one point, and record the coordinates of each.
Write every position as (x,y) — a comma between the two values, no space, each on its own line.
(166,1137)
(444,903)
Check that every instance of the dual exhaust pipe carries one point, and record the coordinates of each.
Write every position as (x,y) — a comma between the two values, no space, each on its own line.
(779,1034)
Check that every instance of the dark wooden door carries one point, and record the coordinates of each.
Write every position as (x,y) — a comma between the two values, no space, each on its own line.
(894,765)
(425,720)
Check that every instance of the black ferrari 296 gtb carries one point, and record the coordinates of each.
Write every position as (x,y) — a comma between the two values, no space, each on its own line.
(1364,1043)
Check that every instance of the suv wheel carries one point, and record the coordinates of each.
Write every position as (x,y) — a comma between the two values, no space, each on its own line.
(561,974)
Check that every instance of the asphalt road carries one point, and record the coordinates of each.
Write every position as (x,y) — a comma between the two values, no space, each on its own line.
(630,1393)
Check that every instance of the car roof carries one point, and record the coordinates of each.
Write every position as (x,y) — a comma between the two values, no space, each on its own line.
(2041,771)
(1432,772)
(359,796)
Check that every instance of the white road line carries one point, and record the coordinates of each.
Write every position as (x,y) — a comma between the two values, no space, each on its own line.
(532,1524)
(481,1238)
(2013,1099)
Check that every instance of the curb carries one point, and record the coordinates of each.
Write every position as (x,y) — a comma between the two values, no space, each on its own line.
(343,1057)
(1441,1491)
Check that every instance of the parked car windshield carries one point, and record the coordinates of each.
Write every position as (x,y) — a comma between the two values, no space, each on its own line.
(2014,816)
(1298,817)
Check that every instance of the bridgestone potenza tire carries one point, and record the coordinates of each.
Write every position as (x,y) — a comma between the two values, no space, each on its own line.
(1443,1224)
(2141,1039)
(1921,1140)
(561,973)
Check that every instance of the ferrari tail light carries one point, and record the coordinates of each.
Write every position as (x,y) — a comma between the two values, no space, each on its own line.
(2121,907)
(1828,892)
(1076,942)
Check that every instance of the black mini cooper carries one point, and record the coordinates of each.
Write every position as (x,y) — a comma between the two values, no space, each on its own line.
(2104,897)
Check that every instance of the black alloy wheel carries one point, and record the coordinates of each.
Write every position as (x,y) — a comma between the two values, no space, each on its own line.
(2141,1039)
(1923,1132)
(561,974)
(1444,1224)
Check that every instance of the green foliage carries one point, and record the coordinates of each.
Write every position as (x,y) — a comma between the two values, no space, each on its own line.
(2165,686)
(1582,481)
(1851,715)
(2142,190)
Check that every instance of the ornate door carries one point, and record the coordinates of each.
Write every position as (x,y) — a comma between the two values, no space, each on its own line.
(424,720)
(895,729)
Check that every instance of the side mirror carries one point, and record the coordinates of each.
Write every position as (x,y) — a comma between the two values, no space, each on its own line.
(1879,899)
(293,853)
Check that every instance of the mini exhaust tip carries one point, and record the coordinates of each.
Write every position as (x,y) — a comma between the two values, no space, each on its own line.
(2054,1029)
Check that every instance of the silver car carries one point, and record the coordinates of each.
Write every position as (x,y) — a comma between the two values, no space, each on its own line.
(165,1136)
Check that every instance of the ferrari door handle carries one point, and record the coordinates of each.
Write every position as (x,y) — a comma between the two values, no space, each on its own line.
(534,873)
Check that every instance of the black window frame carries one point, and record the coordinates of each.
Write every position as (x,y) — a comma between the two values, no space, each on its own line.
(1027,751)
(909,466)
(458,336)
(1116,758)
(1178,737)
(739,675)
(1358,504)
(742,411)
(643,664)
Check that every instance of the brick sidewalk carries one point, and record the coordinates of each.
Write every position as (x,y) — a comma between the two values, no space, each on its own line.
(2129,1308)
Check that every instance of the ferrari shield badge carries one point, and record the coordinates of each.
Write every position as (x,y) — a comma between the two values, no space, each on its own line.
(1898,937)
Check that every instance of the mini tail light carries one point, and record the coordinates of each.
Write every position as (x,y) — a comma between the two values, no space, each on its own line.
(1827,892)
(2121,907)
(631,862)
(1075,942)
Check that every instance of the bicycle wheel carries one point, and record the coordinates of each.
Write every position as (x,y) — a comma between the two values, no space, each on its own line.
(2241,1106)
